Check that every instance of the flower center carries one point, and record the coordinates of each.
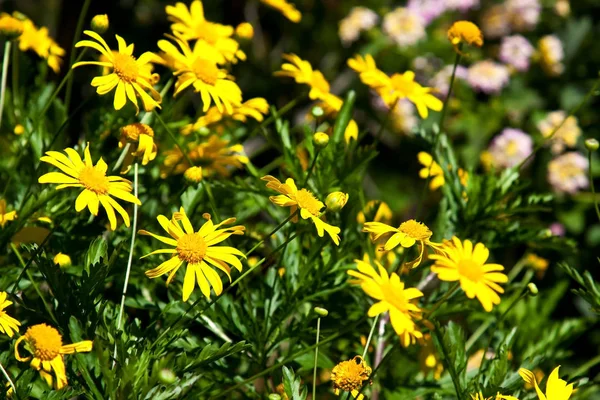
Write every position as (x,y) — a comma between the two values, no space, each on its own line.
(307,201)
(512,148)
(45,340)
(94,180)
(416,230)
(403,84)
(470,270)
(191,247)
(349,375)
(206,71)
(133,131)
(125,67)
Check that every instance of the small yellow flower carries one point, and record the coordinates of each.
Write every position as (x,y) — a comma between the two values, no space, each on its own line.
(332,104)
(62,260)
(197,249)
(193,174)
(379,211)
(10,27)
(537,263)
(437,174)
(19,130)
(45,343)
(99,23)
(310,207)
(335,201)
(429,359)
(465,32)
(287,9)
(255,108)
(556,388)
(97,187)
(130,76)
(321,139)
(303,73)
(8,324)
(4,215)
(39,41)
(393,297)
(463,262)
(348,376)
(140,137)
(479,396)
(244,31)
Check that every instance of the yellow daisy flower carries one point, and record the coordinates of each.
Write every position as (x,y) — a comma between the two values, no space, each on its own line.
(393,297)
(463,262)
(215,157)
(198,67)
(39,41)
(140,137)
(130,76)
(192,25)
(97,187)
(303,199)
(62,260)
(465,32)
(8,324)
(437,174)
(198,250)
(383,212)
(479,396)
(537,263)
(45,343)
(556,388)
(302,72)
(10,26)
(349,375)
(287,9)
(406,235)
(4,215)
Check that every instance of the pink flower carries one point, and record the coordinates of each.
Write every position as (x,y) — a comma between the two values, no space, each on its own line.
(488,76)
(516,51)
(510,148)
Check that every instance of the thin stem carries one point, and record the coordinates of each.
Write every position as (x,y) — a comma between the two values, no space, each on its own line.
(586,366)
(211,199)
(311,168)
(451,85)
(10,382)
(39,250)
(443,299)
(449,365)
(78,30)
(130,259)
(379,134)
(172,136)
(283,110)
(5,62)
(314,385)
(364,354)
(122,156)
(15,81)
(379,352)
(274,231)
(595,200)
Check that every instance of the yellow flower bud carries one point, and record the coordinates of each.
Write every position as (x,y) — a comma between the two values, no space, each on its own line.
(336,201)
(62,260)
(19,130)
(193,174)
(10,27)
(465,32)
(321,140)
(244,31)
(100,23)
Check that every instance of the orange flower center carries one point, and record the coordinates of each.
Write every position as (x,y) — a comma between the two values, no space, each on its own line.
(416,230)
(191,248)
(470,270)
(94,180)
(308,201)
(350,375)
(133,131)
(206,71)
(45,341)
(125,67)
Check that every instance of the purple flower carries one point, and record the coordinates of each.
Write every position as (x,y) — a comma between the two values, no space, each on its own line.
(516,51)
(557,229)
(510,148)
(428,10)
(461,5)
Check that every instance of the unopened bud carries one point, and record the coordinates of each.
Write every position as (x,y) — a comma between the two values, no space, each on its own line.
(321,140)
(274,396)
(167,376)
(321,311)
(317,112)
(19,130)
(244,30)
(533,290)
(62,260)
(336,201)
(592,144)
(11,27)
(193,174)
(99,23)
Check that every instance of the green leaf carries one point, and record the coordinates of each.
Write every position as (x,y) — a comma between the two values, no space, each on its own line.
(292,385)
(344,117)
(97,252)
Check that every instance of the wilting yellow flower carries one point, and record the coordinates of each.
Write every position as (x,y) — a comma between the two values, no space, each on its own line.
(310,207)
(429,359)
(433,168)
(465,32)
(463,262)
(335,201)
(140,137)
(198,67)
(406,235)
(192,25)
(349,376)
(392,297)
(215,156)
(97,187)
(244,30)
(255,108)
(303,73)
(395,87)
(39,41)
(45,343)
(62,260)
(10,26)
(556,388)
(8,324)
(382,211)
(479,396)
(537,263)
(4,215)
(198,250)
(130,76)
(287,9)
(100,23)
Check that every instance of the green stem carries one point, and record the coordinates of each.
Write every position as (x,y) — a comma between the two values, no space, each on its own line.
(5,62)
(379,134)
(283,110)
(451,85)
(311,168)
(443,299)
(314,384)
(364,354)
(592,184)
(449,366)
(174,139)
(15,81)
(10,382)
(579,371)
(211,199)
(122,156)
(76,37)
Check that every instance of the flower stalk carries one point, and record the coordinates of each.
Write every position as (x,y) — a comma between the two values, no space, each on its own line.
(5,61)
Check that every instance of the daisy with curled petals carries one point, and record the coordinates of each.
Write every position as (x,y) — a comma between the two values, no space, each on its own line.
(8,324)
(45,343)
(556,388)
(98,189)
(393,297)
(406,235)
(463,262)
(192,25)
(305,201)
(130,76)
(198,67)
(198,250)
